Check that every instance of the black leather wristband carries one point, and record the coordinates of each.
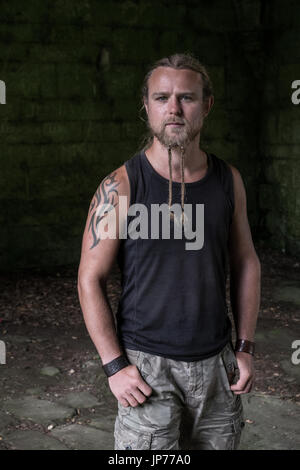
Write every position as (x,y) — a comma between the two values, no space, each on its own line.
(115,365)
(243,345)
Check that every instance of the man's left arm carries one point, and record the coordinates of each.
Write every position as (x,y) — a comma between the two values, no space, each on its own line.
(245,276)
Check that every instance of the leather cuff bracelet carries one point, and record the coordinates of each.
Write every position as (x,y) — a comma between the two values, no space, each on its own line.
(243,345)
(114,366)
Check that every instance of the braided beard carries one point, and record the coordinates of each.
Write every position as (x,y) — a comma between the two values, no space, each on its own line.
(179,139)
(183,216)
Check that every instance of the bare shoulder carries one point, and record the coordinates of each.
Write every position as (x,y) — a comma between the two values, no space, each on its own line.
(239,189)
(237,177)
(240,238)
(115,183)
(110,188)
(107,195)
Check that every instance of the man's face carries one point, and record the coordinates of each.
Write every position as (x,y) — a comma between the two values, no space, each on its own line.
(175,105)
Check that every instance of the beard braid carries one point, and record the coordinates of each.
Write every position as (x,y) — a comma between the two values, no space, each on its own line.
(182,178)
(182,218)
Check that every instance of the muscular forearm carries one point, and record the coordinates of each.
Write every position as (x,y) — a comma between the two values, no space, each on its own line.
(245,296)
(99,319)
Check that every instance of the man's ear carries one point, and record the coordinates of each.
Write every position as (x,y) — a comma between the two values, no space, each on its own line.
(208,104)
(146,106)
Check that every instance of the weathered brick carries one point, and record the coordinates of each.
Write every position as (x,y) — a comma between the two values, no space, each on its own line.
(203,17)
(224,149)
(62,110)
(296,131)
(279,15)
(157,14)
(17,157)
(91,34)
(114,13)
(132,130)
(66,12)
(63,53)
(283,152)
(65,34)
(64,131)
(20,132)
(270,132)
(126,108)
(75,81)
(100,131)
(14,52)
(47,211)
(266,196)
(133,46)
(123,81)
(285,125)
(283,173)
(18,34)
(285,46)
(16,12)
(217,125)
(239,92)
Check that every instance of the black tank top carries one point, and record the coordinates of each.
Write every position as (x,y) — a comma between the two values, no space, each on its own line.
(173,300)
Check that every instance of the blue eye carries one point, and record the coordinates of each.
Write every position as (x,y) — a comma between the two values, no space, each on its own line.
(160,98)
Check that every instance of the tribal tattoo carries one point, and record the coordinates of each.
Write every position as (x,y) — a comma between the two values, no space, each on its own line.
(105,195)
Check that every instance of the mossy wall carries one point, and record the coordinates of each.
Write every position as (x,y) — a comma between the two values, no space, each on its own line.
(73,72)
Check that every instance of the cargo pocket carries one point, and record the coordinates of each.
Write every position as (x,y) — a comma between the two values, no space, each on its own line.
(231,433)
(123,410)
(221,433)
(230,365)
(127,438)
(238,424)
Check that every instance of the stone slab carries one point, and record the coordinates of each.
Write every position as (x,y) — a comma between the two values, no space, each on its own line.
(81,437)
(105,423)
(274,423)
(79,400)
(35,390)
(288,293)
(6,420)
(293,370)
(16,339)
(91,364)
(50,371)
(39,411)
(33,440)
(276,337)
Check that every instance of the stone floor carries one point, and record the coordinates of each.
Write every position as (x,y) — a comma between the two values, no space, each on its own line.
(68,405)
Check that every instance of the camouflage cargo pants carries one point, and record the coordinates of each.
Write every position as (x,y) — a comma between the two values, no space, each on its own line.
(191,406)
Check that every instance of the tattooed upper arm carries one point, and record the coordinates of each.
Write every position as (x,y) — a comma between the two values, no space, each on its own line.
(98,253)
(105,198)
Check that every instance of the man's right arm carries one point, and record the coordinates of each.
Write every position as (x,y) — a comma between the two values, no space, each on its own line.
(98,255)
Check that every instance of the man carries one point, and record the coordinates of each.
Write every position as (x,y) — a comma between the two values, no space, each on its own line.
(171,363)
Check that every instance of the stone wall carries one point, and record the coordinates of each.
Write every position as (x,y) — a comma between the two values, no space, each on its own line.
(73,72)
(279,189)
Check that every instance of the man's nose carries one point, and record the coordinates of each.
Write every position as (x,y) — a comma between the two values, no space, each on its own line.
(174,105)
